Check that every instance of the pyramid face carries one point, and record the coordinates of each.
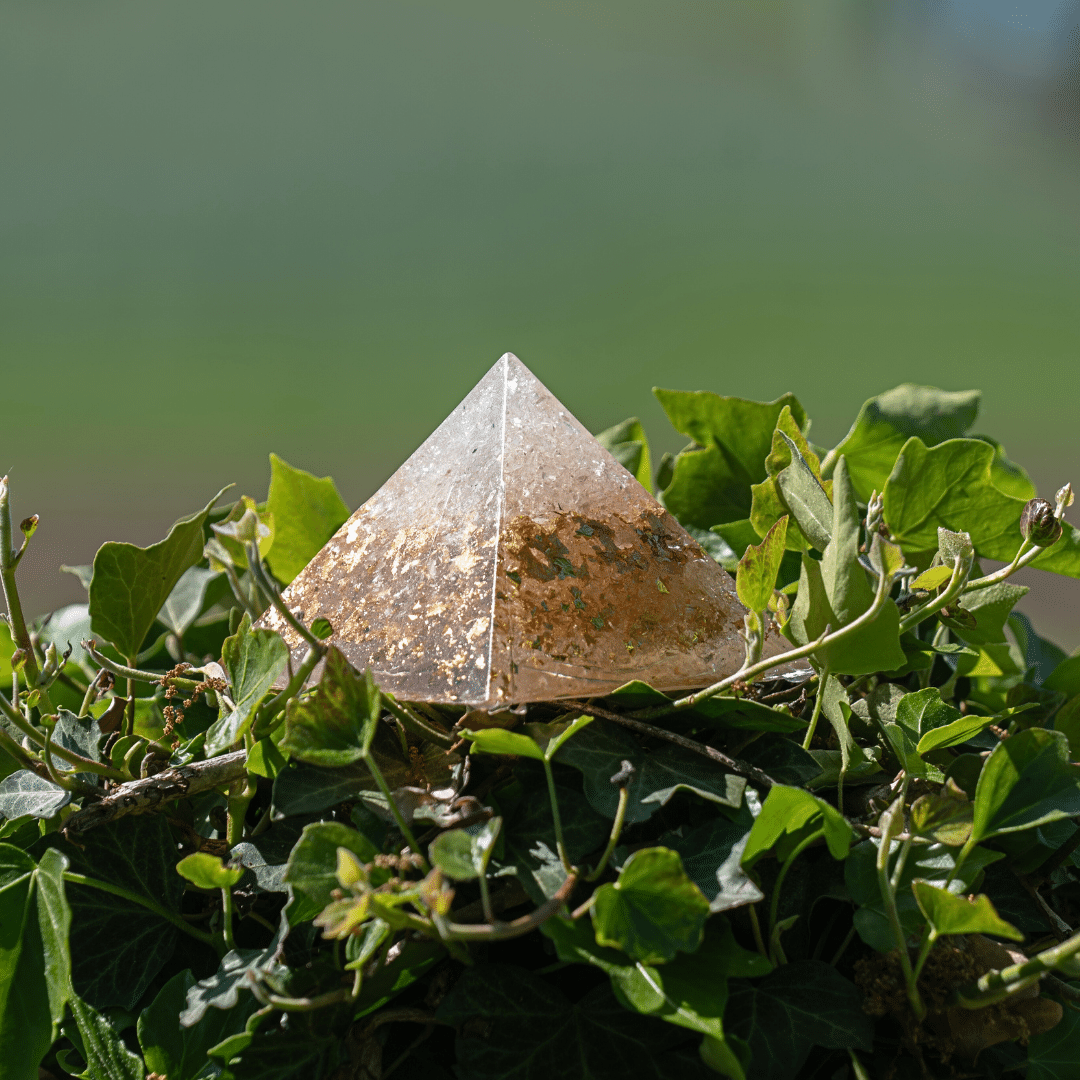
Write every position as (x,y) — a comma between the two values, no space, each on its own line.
(512,559)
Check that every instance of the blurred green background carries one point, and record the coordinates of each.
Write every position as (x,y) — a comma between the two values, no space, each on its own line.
(236,227)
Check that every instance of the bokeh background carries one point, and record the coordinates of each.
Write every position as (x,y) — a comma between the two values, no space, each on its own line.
(234,227)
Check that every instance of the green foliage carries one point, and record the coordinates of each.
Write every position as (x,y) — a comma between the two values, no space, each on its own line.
(279,871)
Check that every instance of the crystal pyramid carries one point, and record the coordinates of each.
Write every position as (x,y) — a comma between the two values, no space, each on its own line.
(513,559)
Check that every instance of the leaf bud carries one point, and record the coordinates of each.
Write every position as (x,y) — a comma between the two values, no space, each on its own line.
(622,777)
(18,659)
(1038,523)
(29,525)
(1064,498)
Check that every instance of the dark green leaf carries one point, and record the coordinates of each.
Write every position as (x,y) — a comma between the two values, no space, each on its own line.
(945,816)
(267,854)
(1065,678)
(1041,657)
(1053,1054)
(337,724)
(122,945)
(729,712)
(309,1046)
(178,1052)
(887,421)
(414,959)
(222,989)
(788,816)
(796,1007)
(653,911)
(312,867)
(306,512)
(529,835)
(782,759)
(252,659)
(930,862)
(533,1032)
(629,446)
(25,792)
(924,711)
(107,1058)
(28,1022)
(951,486)
(710,856)
(948,913)
(131,584)
(1027,780)
(990,607)
(600,750)
(307,789)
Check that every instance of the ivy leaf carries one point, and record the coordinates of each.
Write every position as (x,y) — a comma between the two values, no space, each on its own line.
(121,944)
(312,866)
(796,1007)
(959,731)
(207,871)
(598,752)
(782,759)
(887,421)
(1026,781)
(711,484)
(107,1058)
(337,724)
(25,793)
(950,914)
(35,964)
(951,486)
(1053,1054)
(807,500)
(185,603)
(835,592)
(222,989)
(711,857)
(758,568)
(946,816)
(533,1032)
(729,712)
(653,911)
(178,1052)
(629,446)
(934,863)
(308,789)
(529,835)
(252,660)
(463,854)
(788,816)
(689,992)
(924,711)
(131,584)
(307,511)
(501,741)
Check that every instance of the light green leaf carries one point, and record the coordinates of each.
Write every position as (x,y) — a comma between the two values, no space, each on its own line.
(312,868)
(131,584)
(807,500)
(756,576)
(550,737)
(24,792)
(265,759)
(924,711)
(252,659)
(337,724)
(932,578)
(653,911)
(712,485)
(951,486)
(185,602)
(788,816)
(1026,781)
(959,731)
(887,421)
(950,914)
(306,511)
(836,591)
(463,854)
(208,871)
(945,816)
(501,741)
(629,446)
(990,607)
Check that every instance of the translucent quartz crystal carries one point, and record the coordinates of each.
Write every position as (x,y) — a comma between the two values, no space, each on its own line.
(512,559)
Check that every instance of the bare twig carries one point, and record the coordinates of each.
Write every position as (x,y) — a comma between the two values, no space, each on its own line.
(740,768)
(152,793)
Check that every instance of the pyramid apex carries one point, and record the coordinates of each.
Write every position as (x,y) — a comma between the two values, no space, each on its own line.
(511,559)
